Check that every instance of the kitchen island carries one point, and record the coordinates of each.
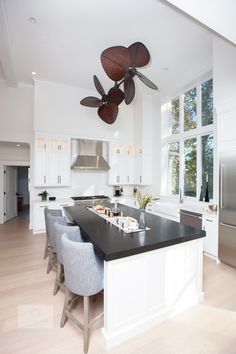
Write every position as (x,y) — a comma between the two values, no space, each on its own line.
(149,276)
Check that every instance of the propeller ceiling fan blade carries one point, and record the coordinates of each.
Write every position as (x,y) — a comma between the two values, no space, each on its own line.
(129,90)
(115,62)
(140,55)
(91,102)
(108,112)
(146,81)
(98,85)
(115,95)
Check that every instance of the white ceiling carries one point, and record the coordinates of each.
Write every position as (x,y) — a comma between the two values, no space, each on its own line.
(219,15)
(66,42)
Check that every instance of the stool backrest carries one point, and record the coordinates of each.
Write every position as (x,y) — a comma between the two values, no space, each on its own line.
(82,267)
(51,228)
(60,230)
(55,212)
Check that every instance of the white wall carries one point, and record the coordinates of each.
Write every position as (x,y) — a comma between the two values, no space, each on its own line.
(12,155)
(16,113)
(9,152)
(57,110)
(224,74)
(218,15)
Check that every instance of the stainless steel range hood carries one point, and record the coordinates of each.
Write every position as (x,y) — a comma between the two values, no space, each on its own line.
(89,155)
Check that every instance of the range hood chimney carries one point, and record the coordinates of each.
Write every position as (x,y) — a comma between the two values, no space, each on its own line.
(89,155)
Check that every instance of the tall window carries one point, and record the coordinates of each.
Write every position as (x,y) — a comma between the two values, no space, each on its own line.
(190,141)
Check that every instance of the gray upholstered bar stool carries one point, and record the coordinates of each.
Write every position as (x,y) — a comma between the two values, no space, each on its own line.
(83,277)
(55,212)
(52,261)
(60,229)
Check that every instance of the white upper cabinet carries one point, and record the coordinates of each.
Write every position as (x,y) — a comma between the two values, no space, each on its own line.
(52,161)
(130,163)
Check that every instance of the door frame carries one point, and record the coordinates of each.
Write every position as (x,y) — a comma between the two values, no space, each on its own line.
(3,182)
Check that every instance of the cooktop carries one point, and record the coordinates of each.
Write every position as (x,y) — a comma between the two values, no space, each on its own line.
(90,197)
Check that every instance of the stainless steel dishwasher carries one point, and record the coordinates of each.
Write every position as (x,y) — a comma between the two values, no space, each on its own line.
(191,218)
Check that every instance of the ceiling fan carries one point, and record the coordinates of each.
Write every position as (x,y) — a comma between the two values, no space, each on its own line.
(120,64)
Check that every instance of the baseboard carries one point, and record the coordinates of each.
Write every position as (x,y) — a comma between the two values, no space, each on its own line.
(132,331)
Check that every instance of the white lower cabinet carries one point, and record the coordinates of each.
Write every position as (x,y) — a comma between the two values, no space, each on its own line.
(38,212)
(210,225)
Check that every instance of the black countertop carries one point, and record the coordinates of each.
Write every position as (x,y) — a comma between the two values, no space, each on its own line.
(112,243)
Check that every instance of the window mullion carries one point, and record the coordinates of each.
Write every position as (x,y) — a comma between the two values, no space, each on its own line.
(181,166)
(199,166)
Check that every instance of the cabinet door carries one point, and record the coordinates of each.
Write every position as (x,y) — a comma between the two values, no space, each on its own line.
(40,172)
(53,168)
(112,174)
(146,170)
(64,168)
(137,169)
(39,221)
(210,225)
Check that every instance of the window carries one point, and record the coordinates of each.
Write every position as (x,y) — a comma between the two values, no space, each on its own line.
(190,141)
(207,162)
(174,117)
(190,109)
(190,167)
(207,102)
(173,150)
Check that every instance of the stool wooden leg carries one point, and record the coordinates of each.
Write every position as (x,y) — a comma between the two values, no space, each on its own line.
(58,278)
(86,323)
(46,248)
(65,308)
(50,260)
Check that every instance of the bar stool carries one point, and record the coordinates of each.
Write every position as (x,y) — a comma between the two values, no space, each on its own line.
(60,229)
(83,277)
(55,212)
(52,261)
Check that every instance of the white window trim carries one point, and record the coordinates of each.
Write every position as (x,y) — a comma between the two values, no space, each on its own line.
(183,135)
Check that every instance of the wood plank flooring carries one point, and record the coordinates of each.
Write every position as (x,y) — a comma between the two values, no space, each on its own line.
(26,301)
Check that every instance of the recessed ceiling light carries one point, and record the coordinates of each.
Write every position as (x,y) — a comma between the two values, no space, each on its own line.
(18,145)
(32,20)
(33,73)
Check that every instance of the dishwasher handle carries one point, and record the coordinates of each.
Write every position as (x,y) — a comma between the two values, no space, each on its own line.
(189,214)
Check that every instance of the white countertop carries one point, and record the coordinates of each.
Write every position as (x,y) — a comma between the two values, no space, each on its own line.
(57,201)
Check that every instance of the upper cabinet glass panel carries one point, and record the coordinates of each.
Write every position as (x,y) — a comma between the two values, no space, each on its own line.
(190,109)
(207,102)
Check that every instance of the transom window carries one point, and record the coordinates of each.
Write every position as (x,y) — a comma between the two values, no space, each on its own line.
(188,142)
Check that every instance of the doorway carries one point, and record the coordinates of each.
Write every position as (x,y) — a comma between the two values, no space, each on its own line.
(16,191)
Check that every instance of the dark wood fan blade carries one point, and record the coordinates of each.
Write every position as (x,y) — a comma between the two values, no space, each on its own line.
(115,62)
(98,85)
(108,112)
(146,81)
(115,95)
(91,102)
(129,90)
(140,55)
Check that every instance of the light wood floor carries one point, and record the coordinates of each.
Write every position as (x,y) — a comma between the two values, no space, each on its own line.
(209,328)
